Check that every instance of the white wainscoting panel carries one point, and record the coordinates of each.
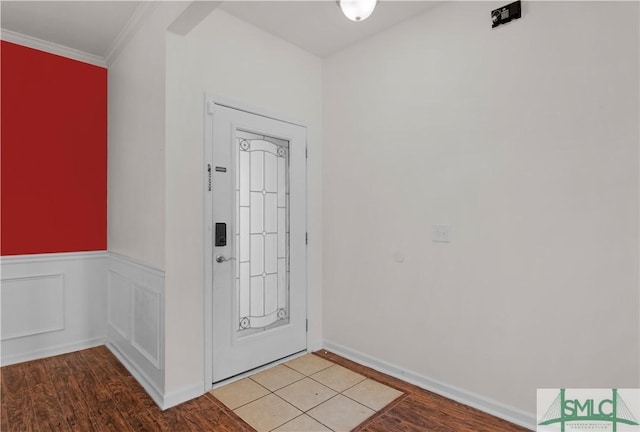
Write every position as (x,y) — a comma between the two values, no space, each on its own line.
(32,305)
(51,304)
(135,327)
(146,323)
(118,304)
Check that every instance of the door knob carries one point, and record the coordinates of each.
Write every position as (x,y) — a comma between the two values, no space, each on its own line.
(221,259)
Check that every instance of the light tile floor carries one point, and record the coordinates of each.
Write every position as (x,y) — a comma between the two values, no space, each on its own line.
(307,394)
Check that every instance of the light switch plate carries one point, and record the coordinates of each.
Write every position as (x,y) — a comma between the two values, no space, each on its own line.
(441,233)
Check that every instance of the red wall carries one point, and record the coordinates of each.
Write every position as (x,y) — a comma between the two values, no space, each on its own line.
(54,153)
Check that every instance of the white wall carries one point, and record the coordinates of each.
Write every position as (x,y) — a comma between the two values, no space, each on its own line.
(136,177)
(226,57)
(525,140)
(136,203)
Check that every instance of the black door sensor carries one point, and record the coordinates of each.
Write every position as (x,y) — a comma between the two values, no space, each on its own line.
(506,13)
(221,234)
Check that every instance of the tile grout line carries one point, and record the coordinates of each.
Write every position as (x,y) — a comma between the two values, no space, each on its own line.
(367,406)
(304,413)
(332,397)
(340,392)
(382,411)
(371,408)
(280,388)
(274,393)
(402,393)
(313,373)
(251,401)
(304,375)
(271,430)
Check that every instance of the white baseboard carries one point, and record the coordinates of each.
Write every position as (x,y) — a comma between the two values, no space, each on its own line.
(175,398)
(147,384)
(490,406)
(52,351)
(163,401)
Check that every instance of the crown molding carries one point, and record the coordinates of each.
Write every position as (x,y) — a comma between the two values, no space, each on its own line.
(52,48)
(143,10)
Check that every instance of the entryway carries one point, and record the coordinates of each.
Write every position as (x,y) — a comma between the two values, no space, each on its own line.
(255,216)
(307,394)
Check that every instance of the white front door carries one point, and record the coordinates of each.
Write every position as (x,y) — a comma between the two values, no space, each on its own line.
(258,229)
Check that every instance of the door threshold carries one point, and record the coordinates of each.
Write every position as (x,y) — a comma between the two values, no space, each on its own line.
(245,374)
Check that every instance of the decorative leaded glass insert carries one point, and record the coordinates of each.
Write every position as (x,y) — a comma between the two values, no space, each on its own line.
(262,230)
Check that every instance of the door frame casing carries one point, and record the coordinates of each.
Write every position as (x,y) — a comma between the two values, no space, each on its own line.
(209,102)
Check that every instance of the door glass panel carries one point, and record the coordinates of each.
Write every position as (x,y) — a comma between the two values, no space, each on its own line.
(244,286)
(262,246)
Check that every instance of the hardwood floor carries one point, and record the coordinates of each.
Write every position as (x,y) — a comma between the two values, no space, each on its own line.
(91,391)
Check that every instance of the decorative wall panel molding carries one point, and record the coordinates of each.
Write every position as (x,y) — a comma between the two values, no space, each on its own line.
(51,304)
(119,304)
(146,323)
(32,305)
(135,324)
(57,303)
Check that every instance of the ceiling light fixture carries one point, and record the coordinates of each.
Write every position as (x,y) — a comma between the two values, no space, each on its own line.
(357,10)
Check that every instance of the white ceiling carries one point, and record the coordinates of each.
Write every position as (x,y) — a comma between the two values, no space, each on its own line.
(319,26)
(93,26)
(88,26)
